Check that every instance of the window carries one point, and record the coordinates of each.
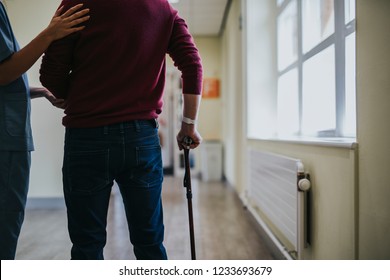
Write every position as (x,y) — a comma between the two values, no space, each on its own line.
(288,36)
(316,68)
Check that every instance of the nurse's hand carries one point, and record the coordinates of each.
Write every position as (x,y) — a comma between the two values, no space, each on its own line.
(36,92)
(63,24)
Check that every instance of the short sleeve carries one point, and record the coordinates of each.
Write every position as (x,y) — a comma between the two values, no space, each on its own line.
(6,36)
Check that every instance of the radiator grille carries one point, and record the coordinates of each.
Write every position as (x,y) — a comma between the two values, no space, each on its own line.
(274,195)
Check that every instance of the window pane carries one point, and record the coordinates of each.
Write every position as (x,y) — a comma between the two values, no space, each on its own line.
(288,104)
(279,2)
(319,96)
(350,86)
(287,36)
(349,10)
(317,22)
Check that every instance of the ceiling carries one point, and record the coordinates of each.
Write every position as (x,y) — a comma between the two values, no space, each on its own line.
(203,17)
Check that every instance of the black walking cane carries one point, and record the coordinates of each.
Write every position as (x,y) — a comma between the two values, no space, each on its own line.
(187,185)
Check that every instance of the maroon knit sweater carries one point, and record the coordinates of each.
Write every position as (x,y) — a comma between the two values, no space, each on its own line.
(114,70)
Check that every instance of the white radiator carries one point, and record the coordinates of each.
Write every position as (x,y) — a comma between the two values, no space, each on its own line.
(277,202)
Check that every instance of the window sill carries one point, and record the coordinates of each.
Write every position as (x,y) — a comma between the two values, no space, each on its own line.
(346,143)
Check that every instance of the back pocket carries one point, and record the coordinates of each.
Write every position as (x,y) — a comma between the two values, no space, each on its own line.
(149,166)
(86,172)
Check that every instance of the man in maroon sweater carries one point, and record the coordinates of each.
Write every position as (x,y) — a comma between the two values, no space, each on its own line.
(112,76)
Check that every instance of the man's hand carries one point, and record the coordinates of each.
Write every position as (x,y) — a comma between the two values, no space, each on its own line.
(188,130)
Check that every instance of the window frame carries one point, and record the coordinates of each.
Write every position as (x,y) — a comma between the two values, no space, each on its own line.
(338,39)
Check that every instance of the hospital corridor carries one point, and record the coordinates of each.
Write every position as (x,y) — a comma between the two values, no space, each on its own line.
(223,229)
(295,158)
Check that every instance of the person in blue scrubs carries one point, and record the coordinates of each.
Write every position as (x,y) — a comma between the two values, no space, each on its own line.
(16,141)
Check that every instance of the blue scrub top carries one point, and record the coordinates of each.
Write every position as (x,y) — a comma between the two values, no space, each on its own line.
(15,107)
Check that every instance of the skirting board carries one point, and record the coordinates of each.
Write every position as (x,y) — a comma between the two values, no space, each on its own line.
(45,203)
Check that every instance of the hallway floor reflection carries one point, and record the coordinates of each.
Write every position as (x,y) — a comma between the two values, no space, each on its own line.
(223,228)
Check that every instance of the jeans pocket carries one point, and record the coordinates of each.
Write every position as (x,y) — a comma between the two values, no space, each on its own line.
(86,172)
(148,171)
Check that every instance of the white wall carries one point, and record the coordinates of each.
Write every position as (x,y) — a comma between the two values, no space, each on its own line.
(28,18)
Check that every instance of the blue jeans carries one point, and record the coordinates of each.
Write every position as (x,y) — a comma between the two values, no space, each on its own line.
(14,180)
(130,154)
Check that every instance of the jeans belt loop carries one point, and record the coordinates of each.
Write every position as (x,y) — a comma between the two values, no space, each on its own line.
(105,130)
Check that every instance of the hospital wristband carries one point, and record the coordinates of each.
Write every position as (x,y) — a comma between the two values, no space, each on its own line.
(188,121)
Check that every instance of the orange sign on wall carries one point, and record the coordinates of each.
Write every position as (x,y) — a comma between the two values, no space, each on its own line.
(210,88)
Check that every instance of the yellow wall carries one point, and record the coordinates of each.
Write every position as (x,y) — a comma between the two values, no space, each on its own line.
(373,100)
(210,123)
(351,189)
(332,169)
(333,194)
(233,97)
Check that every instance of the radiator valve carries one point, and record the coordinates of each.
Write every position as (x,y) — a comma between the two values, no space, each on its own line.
(304,184)
(303,179)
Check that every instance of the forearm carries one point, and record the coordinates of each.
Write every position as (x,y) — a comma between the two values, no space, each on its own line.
(37,92)
(191,103)
(21,61)
(188,129)
(186,57)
